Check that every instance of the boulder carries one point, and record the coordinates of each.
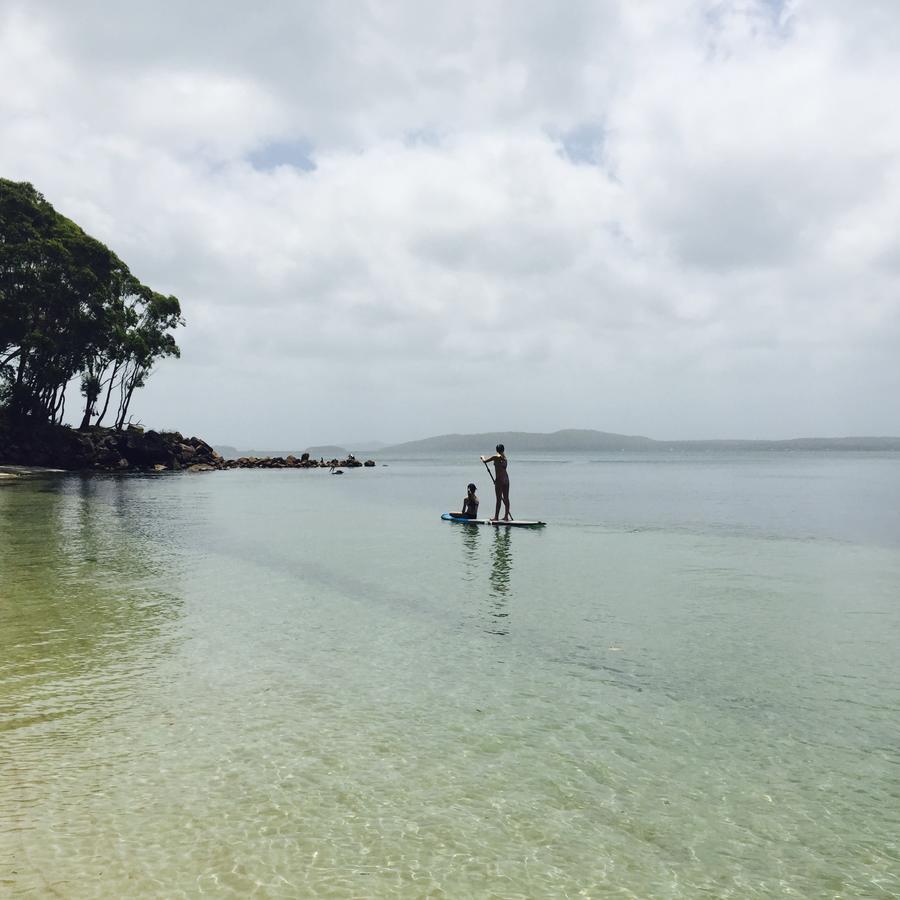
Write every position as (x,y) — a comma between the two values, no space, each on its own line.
(107,457)
(202,448)
(147,448)
(83,451)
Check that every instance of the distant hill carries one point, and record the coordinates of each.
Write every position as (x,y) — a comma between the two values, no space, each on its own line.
(573,439)
(368,445)
(226,450)
(569,439)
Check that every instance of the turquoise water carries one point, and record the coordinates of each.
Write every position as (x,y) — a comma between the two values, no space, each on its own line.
(283,683)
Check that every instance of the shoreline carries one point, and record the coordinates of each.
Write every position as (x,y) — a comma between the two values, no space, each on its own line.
(33,448)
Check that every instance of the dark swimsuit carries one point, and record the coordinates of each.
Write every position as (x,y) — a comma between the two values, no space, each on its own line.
(500,469)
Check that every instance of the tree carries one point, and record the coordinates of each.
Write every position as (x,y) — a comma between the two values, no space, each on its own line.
(69,307)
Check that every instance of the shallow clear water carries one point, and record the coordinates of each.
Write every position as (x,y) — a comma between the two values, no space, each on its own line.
(284,683)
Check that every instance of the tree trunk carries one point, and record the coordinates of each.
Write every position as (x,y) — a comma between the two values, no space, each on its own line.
(86,419)
(112,380)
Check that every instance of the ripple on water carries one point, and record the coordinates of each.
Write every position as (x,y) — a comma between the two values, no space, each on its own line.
(195,705)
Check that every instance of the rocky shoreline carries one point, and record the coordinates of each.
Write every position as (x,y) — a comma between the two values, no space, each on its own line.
(136,450)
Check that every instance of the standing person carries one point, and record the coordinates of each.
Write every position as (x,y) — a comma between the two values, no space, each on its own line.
(501,481)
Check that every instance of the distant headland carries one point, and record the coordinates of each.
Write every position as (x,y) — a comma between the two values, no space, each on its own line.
(581,439)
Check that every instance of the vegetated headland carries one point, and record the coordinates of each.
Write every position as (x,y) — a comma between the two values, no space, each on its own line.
(72,312)
(576,439)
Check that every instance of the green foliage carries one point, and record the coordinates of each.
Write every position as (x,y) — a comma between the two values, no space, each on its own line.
(69,307)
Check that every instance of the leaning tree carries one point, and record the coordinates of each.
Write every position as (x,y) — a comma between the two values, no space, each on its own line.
(70,308)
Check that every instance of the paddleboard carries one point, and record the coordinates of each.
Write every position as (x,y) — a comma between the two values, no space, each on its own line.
(512,523)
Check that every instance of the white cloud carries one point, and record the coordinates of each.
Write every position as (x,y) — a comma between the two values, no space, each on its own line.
(675,218)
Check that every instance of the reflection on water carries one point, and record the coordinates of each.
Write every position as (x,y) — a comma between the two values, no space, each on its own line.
(501,565)
(82,598)
(87,617)
(498,573)
(471,534)
(501,572)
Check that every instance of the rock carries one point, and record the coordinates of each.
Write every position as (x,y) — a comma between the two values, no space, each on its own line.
(369,463)
(107,458)
(202,448)
(35,443)
(83,451)
(194,452)
(146,449)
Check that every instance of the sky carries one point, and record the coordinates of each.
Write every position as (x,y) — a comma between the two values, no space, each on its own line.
(389,220)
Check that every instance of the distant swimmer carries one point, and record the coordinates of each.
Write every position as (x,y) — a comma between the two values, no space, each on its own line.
(501,480)
(470,505)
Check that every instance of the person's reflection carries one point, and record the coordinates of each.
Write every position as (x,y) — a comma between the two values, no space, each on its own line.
(470,551)
(501,570)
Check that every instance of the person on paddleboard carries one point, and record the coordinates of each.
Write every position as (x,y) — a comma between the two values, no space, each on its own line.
(470,504)
(501,480)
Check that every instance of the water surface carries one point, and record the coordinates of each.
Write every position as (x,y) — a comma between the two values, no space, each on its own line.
(291,684)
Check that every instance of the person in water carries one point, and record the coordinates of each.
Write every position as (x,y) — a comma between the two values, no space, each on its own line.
(501,481)
(470,505)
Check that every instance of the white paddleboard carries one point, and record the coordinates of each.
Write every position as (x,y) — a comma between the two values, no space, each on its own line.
(512,523)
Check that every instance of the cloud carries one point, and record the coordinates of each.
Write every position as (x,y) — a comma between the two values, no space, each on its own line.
(674,218)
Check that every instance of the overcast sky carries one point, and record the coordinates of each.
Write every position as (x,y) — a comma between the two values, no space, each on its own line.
(387,220)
